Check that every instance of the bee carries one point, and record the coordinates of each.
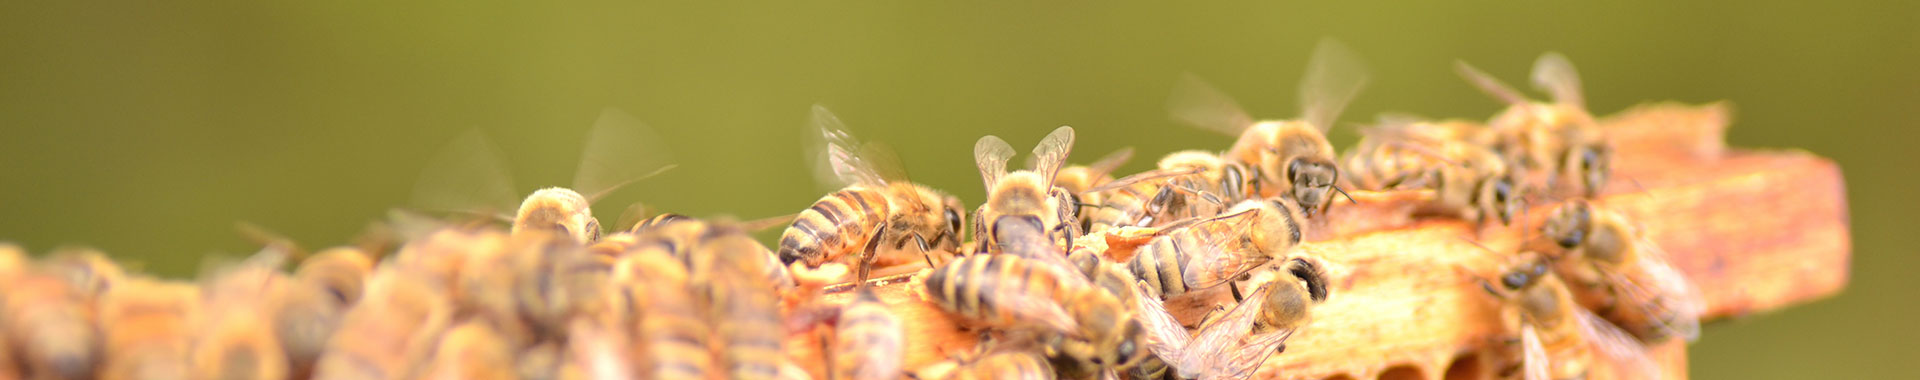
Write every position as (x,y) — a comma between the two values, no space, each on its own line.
(876,215)
(1207,252)
(1003,291)
(148,327)
(1079,181)
(1468,180)
(869,340)
(51,328)
(1139,200)
(995,364)
(240,340)
(391,329)
(1559,138)
(468,176)
(744,307)
(1558,338)
(472,349)
(1226,347)
(1291,158)
(1024,194)
(674,333)
(88,270)
(341,271)
(1109,339)
(1615,269)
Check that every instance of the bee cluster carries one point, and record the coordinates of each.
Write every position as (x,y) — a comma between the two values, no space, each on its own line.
(555,296)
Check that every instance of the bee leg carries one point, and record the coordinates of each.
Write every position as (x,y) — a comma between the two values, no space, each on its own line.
(871,253)
(1235,286)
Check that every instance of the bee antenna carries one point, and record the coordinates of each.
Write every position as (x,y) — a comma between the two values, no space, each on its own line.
(1343,193)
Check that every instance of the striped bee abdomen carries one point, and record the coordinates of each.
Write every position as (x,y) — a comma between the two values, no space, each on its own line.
(834,226)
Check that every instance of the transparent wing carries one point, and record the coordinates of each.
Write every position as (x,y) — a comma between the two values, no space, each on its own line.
(1027,306)
(1218,338)
(1150,175)
(1245,361)
(1678,302)
(1488,84)
(466,176)
(1165,337)
(1617,347)
(844,154)
(1112,161)
(633,215)
(1196,103)
(1218,259)
(1051,154)
(1554,74)
(1019,238)
(1334,76)
(620,150)
(1534,364)
(990,154)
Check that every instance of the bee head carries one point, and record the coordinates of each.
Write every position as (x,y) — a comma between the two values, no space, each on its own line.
(1570,224)
(1313,182)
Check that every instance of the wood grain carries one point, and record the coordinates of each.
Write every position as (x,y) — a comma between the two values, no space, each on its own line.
(1755,230)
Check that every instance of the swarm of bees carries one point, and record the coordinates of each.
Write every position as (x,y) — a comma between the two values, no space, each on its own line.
(548,292)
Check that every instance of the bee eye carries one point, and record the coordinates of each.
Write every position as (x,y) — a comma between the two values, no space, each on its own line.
(953,221)
(1514,280)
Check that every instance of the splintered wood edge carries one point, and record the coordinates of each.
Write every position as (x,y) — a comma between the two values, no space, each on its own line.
(1755,231)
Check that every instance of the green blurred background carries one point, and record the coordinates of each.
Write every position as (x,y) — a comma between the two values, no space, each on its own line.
(147,130)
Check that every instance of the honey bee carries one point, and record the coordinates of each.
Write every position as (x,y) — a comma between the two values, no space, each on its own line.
(240,340)
(674,334)
(1140,200)
(1079,181)
(1558,338)
(1559,138)
(1614,269)
(744,307)
(1024,194)
(390,331)
(49,324)
(1468,180)
(994,364)
(1291,158)
(88,270)
(1003,291)
(1207,252)
(472,349)
(148,325)
(1225,347)
(869,340)
(876,215)
(1104,337)
(468,176)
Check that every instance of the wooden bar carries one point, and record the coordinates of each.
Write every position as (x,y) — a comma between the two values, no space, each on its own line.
(1754,230)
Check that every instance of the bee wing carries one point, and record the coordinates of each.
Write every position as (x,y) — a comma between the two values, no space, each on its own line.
(1216,260)
(1554,74)
(1243,362)
(1019,238)
(1534,355)
(1112,161)
(1051,153)
(466,176)
(1334,76)
(990,154)
(633,215)
(1627,355)
(1217,338)
(1675,296)
(620,150)
(1199,104)
(845,155)
(1150,175)
(1028,306)
(1488,84)
(1165,337)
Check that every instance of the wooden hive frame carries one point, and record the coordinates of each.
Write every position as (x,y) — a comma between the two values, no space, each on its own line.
(1754,230)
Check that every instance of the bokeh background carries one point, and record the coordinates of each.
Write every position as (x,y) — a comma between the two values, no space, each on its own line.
(148,128)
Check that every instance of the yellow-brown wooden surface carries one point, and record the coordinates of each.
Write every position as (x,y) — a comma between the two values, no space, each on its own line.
(1754,230)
